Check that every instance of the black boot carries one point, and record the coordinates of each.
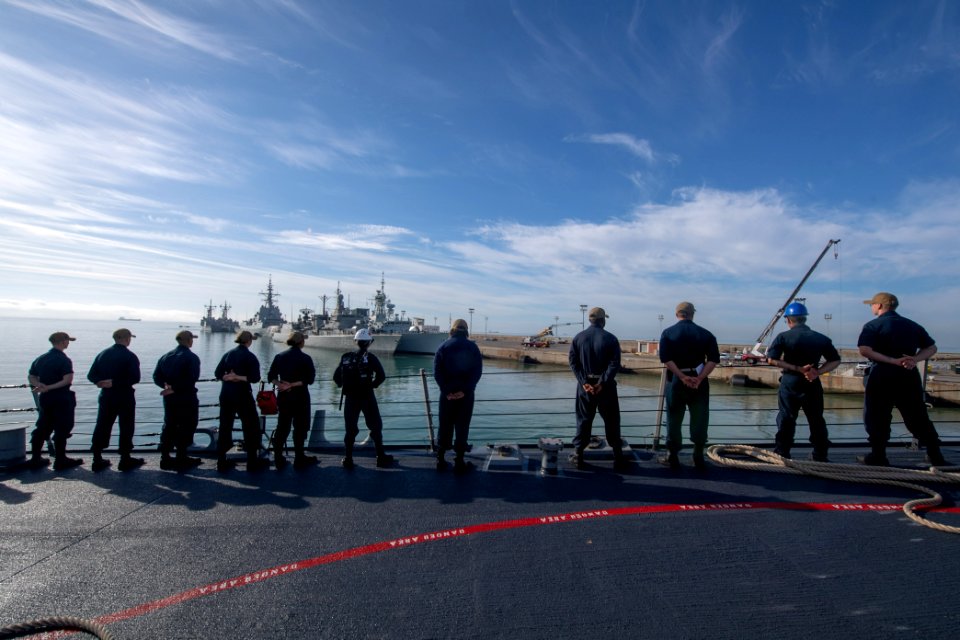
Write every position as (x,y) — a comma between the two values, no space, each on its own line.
(442,464)
(699,461)
(935,456)
(876,458)
(99,464)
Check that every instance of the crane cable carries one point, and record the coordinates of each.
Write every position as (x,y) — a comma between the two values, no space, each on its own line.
(891,476)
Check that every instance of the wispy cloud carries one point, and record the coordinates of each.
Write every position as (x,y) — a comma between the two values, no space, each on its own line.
(639,147)
(113,19)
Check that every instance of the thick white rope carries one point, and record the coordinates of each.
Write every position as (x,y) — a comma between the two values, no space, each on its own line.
(57,623)
(766,460)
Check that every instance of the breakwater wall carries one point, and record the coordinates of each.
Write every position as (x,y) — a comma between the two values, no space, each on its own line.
(942,384)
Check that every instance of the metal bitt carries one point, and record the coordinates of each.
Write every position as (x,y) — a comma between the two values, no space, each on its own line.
(551,448)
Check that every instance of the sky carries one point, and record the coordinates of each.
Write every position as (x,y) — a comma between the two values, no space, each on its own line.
(515,158)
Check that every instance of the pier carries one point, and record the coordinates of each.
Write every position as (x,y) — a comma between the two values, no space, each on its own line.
(640,357)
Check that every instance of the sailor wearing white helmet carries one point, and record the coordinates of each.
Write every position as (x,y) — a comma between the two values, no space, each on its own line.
(358,374)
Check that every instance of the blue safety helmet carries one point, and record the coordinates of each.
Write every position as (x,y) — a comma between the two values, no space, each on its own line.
(795,309)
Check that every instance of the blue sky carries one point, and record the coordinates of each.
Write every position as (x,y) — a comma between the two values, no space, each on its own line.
(517,158)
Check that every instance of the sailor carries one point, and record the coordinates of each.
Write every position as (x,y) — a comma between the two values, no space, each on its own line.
(798,352)
(595,360)
(176,374)
(358,374)
(690,353)
(292,371)
(895,345)
(50,376)
(115,371)
(457,367)
(237,370)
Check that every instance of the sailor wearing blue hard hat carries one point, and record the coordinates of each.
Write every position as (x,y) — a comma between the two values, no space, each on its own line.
(803,355)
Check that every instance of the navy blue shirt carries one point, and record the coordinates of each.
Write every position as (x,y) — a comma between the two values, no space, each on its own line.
(688,345)
(179,368)
(894,336)
(50,368)
(240,361)
(595,356)
(116,363)
(457,365)
(800,345)
(293,365)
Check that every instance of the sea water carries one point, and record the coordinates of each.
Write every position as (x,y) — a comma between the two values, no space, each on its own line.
(516,402)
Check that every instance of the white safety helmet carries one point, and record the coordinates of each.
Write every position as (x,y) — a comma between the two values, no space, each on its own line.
(363,336)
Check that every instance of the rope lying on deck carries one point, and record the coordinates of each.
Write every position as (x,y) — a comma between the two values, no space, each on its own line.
(890,476)
(59,623)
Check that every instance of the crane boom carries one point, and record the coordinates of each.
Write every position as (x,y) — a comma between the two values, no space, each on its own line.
(793,294)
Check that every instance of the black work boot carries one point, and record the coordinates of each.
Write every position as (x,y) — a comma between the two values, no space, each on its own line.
(699,462)
(876,458)
(129,463)
(301,460)
(935,456)
(99,464)
(442,464)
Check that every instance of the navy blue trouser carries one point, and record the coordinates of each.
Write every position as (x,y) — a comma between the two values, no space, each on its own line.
(455,416)
(353,405)
(114,405)
(244,407)
(181,413)
(293,408)
(607,403)
(795,394)
(56,417)
(679,398)
(888,387)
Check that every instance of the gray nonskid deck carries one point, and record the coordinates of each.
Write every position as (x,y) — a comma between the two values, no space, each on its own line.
(90,544)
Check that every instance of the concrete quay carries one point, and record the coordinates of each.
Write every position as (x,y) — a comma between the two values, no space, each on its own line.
(942,384)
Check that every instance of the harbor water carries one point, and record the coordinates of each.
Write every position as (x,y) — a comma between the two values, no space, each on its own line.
(516,402)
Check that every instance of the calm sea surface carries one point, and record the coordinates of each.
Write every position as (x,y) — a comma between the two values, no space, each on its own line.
(515,402)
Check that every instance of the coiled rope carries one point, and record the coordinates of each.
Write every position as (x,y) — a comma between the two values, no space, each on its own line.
(57,623)
(767,460)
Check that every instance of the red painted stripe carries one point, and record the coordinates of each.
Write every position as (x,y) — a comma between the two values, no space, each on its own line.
(446,534)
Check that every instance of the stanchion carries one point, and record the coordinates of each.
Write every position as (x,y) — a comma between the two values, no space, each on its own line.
(428,411)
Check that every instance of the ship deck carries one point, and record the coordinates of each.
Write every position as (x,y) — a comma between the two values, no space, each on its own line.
(408,552)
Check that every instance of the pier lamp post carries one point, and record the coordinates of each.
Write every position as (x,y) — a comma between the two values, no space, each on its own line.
(583,317)
(471,310)
(828,317)
(485,318)
(660,318)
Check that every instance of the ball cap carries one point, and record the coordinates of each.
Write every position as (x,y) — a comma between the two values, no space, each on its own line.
(884,298)
(60,336)
(185,335)
(686,307)
(597,312)
(122,334)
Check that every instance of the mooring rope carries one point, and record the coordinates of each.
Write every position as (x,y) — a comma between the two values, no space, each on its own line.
(891,476)
(58,623)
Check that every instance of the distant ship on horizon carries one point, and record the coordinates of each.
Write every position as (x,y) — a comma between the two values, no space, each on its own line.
(221,324)
(122,319)
(269,316)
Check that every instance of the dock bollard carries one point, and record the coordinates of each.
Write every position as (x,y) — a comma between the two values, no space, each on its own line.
(550,447)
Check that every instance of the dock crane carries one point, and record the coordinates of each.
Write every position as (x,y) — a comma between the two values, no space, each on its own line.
(779,314)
